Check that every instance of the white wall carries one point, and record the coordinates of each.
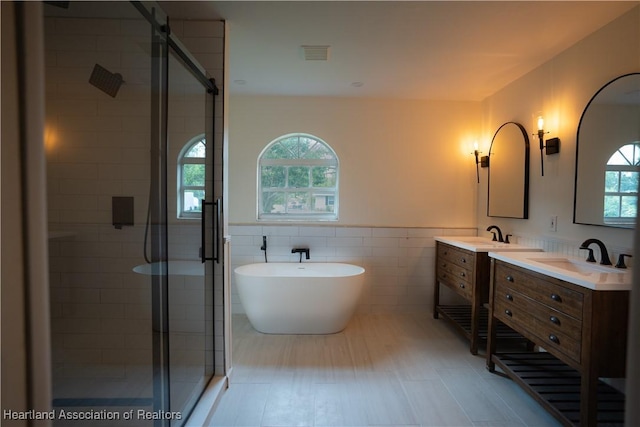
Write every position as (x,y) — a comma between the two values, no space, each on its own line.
(406,174)
(407,164)
(560,89)
(402,163)
(26,349)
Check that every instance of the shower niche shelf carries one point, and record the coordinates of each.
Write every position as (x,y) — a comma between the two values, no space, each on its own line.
(61,234)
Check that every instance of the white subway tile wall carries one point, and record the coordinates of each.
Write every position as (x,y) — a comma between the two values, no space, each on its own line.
(399,262)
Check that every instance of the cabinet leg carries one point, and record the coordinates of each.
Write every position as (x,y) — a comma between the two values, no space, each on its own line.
(491,339)
(475,323)
(589,400)
(473,346)
(436,297)
(491,366)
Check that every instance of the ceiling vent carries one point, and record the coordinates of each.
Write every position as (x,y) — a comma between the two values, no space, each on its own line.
(316,53)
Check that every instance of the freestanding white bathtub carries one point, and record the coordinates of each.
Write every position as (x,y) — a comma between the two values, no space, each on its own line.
(299,298)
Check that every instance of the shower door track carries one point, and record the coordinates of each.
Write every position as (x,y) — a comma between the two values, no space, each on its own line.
(162,45)
(209,83)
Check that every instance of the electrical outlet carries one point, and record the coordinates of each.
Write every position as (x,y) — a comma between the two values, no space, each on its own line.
(553,223)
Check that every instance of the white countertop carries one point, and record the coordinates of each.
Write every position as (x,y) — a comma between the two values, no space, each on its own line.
(570,269)
(482,244)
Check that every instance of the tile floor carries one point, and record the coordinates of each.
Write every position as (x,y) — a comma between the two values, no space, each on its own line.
(383,369)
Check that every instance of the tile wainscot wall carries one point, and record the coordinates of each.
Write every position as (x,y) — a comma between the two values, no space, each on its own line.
(399,262)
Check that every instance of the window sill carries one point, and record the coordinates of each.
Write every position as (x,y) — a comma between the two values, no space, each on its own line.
(306,219)
(189,218)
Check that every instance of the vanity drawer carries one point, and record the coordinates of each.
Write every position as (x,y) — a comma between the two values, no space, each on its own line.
(544,316)
(546,290)
(531,323)
(457,279)
(450,272)
(460,257)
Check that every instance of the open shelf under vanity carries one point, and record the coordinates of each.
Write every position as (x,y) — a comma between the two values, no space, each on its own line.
(461,318)
(556,386)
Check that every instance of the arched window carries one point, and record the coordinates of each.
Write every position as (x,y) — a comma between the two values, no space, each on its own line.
(621,185)
(191,173)
(298,179)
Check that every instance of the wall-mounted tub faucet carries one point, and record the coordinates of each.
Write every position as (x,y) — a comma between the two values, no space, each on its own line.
(604,254)
(495,227)
(301,251)
(264,247)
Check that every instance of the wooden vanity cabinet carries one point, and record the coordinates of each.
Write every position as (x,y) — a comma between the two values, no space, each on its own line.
(467,274)
(583,331)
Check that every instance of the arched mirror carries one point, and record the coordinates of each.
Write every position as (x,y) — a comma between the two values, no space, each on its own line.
(508,194)
(608,156)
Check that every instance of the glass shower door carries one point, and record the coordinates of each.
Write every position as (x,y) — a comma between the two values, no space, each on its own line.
(190,144)
(99,98)
(131,299)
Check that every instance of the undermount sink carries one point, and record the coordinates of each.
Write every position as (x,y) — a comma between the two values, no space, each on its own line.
(473,239)
(580,267)
(570,269)
(482,244)
(485,241)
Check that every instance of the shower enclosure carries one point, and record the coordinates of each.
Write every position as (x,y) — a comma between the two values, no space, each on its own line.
(134,215)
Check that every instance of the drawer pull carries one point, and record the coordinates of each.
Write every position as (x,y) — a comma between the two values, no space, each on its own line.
(555,320)
(464,260)
(556,297)
(463,274)
(444,264)
(462,285)
(446,252)
(509,279)
(509,297)
(508,313)
(554,339)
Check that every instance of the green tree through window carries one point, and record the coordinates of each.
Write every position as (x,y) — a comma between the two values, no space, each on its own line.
(298,179)
(621,185)
(191,178)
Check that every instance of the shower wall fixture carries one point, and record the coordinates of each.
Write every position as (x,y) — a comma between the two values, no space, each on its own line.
(121,211)
(105,80)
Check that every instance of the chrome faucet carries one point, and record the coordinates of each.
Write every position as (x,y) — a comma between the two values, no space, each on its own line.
(301,251)
(500,238)
(604,254)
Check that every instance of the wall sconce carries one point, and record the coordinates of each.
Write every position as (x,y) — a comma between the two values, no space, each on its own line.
(552,146)
(482,161)
(475,153)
